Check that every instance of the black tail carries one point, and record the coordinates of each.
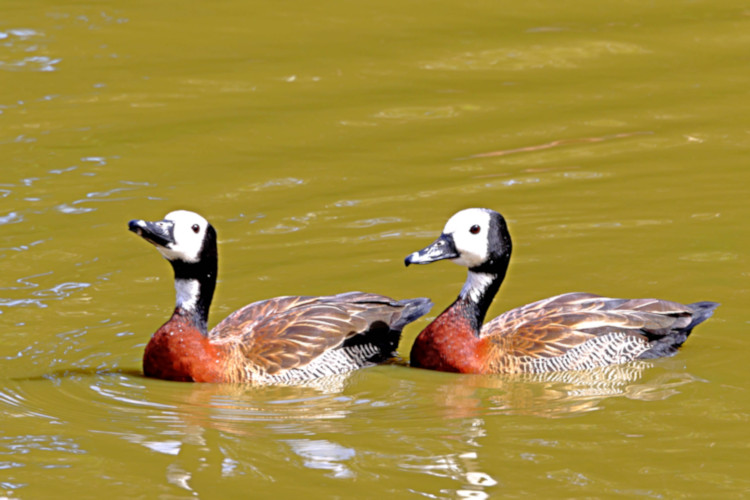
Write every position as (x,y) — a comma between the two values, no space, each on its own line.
(702,311)
(413,310)
(382,338)
(668,344)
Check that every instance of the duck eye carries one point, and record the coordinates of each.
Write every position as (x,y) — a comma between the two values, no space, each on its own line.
(474,229)
(196,228)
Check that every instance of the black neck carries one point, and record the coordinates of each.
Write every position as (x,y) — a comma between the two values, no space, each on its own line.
(198,282)
(482,284)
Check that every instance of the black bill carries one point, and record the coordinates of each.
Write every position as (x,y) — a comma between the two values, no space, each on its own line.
(159,233)
(441,249)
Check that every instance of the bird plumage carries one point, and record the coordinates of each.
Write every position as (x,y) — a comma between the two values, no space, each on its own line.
(573,331)
(280,340)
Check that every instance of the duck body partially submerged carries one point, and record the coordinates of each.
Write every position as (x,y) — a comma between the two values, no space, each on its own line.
(286,340)
(572,331)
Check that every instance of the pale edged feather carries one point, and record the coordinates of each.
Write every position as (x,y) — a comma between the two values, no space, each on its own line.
(550,327)
(269,337)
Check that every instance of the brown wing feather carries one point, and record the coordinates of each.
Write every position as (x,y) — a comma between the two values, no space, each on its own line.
(550,327)
(279,334)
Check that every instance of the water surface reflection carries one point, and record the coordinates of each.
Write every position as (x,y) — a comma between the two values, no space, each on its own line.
(424,423)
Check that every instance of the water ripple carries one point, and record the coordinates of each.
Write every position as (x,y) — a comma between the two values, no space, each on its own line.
(39,442)
(283,182)
(715,256)
(24,41)
(323,454)
(39,297)
(62,290)
(480,184)
(373,222)
(11,218)
(523,58)
(576,229)
(33,63)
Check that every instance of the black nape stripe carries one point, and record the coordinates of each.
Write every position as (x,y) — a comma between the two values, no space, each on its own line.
(500,248)
(204,271)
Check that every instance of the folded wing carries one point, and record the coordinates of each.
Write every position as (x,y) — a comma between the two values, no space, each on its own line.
(301,337)
(580,331)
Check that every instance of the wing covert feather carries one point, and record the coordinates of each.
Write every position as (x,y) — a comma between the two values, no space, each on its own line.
(283,333)
(550,327)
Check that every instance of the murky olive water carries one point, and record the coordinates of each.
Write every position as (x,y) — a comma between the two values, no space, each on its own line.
(326,141)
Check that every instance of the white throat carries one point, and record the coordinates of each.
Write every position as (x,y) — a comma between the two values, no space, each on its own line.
(187,293)
(476,285)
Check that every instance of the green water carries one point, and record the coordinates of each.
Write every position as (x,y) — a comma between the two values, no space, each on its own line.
(326,141)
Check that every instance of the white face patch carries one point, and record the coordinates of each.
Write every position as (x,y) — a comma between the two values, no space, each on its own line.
(188,231)
(470,231)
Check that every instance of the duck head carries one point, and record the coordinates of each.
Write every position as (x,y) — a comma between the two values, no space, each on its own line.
(476,238)
(188,242)
(181,236)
